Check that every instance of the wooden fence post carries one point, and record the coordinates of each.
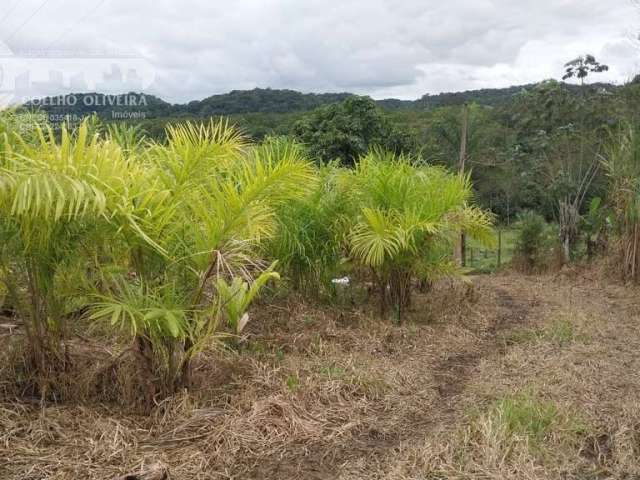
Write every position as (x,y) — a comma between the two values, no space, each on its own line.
(499,248)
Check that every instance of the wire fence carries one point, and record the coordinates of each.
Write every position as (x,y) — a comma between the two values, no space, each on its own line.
(482,259)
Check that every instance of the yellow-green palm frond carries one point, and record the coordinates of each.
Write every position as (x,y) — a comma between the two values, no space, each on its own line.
(442,191)
(158,312)
(475,223)
(195,151)
(277,170)
(235,297)
(242,203)
(377,238)
(130,138)
(223,213)
(59,181)
(216,138)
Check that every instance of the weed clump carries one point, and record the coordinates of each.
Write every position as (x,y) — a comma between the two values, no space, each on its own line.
(518,432)
(560,332)
(523,416)
(536,244)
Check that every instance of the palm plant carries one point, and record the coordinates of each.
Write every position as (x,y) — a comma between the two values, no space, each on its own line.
(197,226)
(310,233)
(19,125)
(594,226)
(131,138)
(53,197)
(405,214)
(236,297)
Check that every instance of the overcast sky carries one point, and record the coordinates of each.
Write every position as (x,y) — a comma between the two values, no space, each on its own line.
(189,49)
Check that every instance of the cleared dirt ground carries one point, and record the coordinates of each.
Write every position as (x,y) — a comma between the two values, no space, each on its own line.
(517,377)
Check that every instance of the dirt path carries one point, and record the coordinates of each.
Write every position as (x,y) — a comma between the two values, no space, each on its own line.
(453,373)
(319,394)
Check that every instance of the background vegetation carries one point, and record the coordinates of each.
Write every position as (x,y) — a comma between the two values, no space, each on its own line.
(528,147)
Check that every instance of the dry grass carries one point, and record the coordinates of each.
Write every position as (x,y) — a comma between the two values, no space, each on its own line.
(458,391)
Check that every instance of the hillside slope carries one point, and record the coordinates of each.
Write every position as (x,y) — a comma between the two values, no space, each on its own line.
(259,100)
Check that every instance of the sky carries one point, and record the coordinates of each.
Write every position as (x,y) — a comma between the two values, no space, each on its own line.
(184,50)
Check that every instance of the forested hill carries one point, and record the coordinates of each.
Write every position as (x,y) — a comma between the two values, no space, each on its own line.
(487,96)
(260,100)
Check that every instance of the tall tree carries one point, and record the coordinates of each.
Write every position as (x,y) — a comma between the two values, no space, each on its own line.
(569,206)
(347,130)
(582,66)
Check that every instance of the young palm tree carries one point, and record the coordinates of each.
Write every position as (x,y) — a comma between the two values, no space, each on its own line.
(309,240)
(194,239)
(406,215)
(53,197)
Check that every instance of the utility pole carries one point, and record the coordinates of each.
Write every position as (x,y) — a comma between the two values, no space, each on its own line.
(499,248)
(463,137)
(461,248)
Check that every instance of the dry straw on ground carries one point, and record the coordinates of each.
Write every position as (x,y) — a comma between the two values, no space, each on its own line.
(521,377)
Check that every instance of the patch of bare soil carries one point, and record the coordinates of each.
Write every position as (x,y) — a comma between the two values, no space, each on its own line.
(316,392)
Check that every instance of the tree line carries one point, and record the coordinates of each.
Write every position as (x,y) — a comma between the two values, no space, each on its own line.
(527,147)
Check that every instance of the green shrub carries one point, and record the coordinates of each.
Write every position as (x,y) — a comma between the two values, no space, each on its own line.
(406,219)
(535,243)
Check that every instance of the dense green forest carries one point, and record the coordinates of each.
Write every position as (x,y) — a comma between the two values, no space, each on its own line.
(527,146)
(264,100)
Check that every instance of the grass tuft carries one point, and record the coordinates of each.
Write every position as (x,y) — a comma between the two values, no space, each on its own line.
(293,383)
(560,332)
(523,415)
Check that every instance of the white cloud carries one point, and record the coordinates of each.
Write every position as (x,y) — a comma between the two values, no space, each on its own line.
(194,48)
